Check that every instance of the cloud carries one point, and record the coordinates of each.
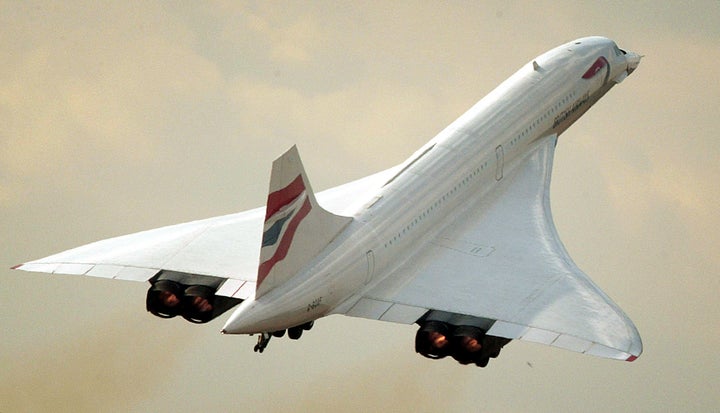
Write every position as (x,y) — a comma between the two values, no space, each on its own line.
(290,39)
(91,368)
(121,117)
(92,93)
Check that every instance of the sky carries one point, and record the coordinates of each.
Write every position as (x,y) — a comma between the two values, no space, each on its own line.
(117,117)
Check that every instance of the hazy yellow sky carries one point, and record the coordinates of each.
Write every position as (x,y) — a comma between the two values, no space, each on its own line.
(119,117)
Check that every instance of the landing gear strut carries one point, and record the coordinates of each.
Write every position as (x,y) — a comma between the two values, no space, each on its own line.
(263,340)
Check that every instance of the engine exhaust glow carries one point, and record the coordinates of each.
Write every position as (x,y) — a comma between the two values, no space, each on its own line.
(201,304)
(471,344)
(191,296)
(465,343)
(169,299)
(438,340)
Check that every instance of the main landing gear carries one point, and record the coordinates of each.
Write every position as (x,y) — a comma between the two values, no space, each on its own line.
(293,332)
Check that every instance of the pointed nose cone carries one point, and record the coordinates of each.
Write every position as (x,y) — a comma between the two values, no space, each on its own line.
(253,316)
(636,346)
(239,322)
(633,60)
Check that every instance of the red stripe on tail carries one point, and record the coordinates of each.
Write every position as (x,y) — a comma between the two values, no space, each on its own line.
(282,197)
(285,242)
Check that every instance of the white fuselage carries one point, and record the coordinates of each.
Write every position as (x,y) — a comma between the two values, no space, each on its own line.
(457,167)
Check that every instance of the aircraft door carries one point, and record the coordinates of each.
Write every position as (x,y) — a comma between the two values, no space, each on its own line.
(500,158)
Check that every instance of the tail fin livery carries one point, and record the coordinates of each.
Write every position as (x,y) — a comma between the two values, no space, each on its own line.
(296,228)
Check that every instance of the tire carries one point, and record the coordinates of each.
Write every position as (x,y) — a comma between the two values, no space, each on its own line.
(295,332)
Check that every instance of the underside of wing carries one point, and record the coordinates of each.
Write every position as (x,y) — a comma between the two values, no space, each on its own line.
(197,270)
(502,260)
(225,247)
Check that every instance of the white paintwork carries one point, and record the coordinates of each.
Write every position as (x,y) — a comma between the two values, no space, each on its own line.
(462,226)
(316,228)
(227,246)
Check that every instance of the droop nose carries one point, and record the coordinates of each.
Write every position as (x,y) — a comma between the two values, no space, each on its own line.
(633,60)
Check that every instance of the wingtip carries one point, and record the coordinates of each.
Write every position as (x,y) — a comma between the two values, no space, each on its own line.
(16,267)
(631,358)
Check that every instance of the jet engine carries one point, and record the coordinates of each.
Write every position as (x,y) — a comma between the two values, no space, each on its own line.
(462,337)
(198,304)
(433,340)
(164,298)
(189,295)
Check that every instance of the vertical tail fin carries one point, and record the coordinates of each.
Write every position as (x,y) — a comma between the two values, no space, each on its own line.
(296,228)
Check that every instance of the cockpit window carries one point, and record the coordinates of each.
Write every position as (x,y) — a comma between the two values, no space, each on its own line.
(618,51)
(599,64)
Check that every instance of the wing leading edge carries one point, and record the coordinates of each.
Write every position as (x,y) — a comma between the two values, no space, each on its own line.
(503,260)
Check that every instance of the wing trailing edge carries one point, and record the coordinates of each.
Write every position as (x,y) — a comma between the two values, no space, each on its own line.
(503,260)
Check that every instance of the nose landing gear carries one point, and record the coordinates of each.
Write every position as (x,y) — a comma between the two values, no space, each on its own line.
(262,342)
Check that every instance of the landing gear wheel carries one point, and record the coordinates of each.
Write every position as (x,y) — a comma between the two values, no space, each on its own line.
(295,332)
(278,333)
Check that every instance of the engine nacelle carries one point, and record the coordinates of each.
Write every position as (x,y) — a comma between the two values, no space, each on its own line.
(189,295)
(460,336)
(433,340)
(468,343)
(164,299)
(198,304)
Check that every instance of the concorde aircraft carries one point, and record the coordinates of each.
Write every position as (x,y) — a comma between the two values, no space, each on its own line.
(458,239)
